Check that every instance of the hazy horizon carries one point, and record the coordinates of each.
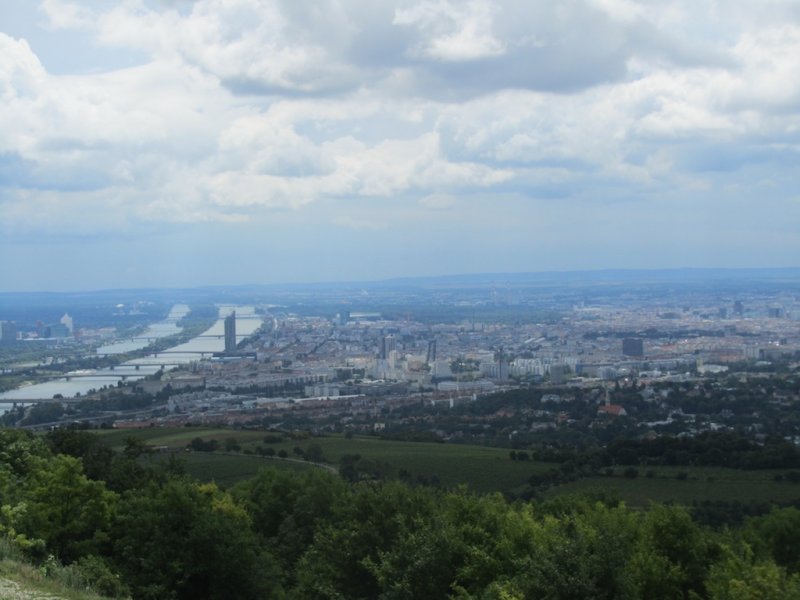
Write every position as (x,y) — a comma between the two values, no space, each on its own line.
(687,274)
(174,144)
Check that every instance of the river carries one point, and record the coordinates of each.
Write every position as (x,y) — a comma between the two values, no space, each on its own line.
(212,340)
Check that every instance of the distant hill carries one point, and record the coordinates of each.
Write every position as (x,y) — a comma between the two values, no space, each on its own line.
(689,276)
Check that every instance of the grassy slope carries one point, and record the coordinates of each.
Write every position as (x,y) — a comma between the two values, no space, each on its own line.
(480,468)
(22,581)
(702,483)
(228,469)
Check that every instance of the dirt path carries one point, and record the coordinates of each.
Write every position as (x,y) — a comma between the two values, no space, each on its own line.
(10,590)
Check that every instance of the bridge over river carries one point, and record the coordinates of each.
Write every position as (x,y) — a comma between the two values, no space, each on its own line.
(213,336)
(203,346)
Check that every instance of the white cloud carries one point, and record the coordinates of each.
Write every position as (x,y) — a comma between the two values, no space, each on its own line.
(251,107)
(453,31)
(21,74)
(67,15)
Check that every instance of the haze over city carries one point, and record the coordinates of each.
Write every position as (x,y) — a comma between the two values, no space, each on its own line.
(170,143)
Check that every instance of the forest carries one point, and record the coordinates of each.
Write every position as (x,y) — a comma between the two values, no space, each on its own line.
(131,527)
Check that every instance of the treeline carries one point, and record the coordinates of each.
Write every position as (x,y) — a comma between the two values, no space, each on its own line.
(142,528)
(709,449)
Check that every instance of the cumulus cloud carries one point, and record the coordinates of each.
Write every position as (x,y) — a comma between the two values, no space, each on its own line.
(251,107)
(452,31)
(66,15)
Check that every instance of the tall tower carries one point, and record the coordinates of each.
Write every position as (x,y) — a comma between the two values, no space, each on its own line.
(66,321)
(431,356)
(230,332)
(388,344)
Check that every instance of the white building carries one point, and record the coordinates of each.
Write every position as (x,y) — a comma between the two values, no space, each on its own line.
(66,321)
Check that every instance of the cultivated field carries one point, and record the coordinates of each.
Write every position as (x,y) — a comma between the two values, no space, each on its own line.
(479,468)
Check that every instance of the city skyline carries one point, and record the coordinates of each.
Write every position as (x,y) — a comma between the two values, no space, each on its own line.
(182,144)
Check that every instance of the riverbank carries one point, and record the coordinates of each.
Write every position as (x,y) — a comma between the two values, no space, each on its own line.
(199,337)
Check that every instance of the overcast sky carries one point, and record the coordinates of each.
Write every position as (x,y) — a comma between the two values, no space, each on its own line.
(178,143)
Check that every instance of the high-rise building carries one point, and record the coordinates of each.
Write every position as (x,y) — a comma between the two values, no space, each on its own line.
(8,332)
(738,308)
(558,374)
(58,330)
(431,356)
(230,332)
(66,321)
(633,347)
(388,344)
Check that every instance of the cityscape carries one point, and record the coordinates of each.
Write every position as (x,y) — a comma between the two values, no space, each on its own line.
(399,300)
(387,358)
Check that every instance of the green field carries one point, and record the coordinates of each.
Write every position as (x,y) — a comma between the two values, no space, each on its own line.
(174,437)
(227,469)
(701,484)
(480,468)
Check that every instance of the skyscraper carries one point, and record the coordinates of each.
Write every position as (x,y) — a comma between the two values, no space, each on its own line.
(388,344)
(66,321)
(431,356)
(230,332)
(8,332)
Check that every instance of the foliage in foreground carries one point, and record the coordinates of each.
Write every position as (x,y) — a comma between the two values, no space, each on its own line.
(149,531)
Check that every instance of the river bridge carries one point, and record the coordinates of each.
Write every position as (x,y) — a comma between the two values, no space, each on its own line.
(156,353)
(122,376)
(151,339)
(28,401)
(119,374)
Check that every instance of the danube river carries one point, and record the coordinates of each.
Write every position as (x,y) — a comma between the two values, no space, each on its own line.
(212,340)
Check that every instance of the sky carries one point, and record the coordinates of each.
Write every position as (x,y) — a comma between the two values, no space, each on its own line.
(169,143)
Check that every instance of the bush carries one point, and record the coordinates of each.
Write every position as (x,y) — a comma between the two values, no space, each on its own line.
(314,453)
(793,476)
(198,444)
(100,578)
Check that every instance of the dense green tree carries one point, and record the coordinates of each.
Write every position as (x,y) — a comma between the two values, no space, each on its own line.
(96,456)
(777,536)
(288,509)
(70,512)
(314,536)
(738,576)
(186,540)
(340,562)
